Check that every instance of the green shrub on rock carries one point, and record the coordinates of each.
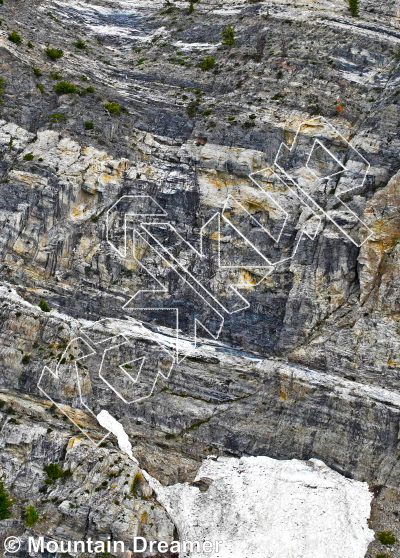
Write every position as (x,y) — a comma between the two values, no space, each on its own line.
(113,108)
(54,471)
(65,88)
(386,538)
(5,502)
(54,53)
(136,483)
(31,516)
(80,44)
(15,38)
(44,306)
(228,35)
(354,6)
(57,116)
(207,64)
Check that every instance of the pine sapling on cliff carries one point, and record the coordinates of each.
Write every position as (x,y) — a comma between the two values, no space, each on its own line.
(354,7)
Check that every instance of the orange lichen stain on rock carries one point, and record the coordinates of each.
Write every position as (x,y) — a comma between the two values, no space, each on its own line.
(265,205)
(392,362)
(129,264)
(143,519)
(139,252)
(269,185)
(247,280)
(74,441)
(218,181)
(386,234)
(147,170)
(69,390)
(85,243)
(283,395)
(76,210)
(107,177)
(19,247)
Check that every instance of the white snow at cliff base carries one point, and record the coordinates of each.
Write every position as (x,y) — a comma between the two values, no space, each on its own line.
(264,508)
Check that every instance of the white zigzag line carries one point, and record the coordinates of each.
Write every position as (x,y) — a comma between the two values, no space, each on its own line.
(270,265)
(176,270)
(339,195)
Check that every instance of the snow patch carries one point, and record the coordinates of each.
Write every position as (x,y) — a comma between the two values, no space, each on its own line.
(7,292)
(226,11)
(265,508)
(193,46)
(113,30)
(108,422)
(88,8)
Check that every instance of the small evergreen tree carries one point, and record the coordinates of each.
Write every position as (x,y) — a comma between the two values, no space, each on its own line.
(354,6)
(228,35)
(44,306)
(136,484)
(31,516)
(191,7)
(5,503)
(207,64)
(53,471)
(80,44)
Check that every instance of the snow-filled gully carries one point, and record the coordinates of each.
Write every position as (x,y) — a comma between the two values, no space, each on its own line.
(260,507)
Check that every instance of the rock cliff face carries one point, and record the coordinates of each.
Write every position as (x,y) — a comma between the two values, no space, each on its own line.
(271,169)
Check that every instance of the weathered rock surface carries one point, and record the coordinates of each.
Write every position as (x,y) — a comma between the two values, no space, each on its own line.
(310,368)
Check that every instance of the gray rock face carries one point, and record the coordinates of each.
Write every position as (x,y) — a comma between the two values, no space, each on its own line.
(101,490)
(308,367)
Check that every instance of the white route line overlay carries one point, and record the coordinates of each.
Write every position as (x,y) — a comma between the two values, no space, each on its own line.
(338,196)
(178,267)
